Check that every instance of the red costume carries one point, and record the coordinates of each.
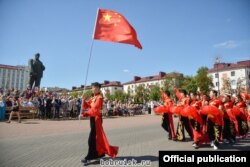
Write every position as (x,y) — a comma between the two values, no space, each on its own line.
(230,129)
(183,120)
(198,125)
(97,141)
(216,118)
(242,113)
(167,116)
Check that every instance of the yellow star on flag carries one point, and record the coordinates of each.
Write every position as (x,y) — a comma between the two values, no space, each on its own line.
(107,17)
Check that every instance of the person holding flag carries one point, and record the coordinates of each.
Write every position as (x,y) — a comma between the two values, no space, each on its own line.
(109,26)
(98,142)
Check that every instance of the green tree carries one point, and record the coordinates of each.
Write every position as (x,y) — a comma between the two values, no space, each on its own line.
(127,96)
(189,84)
(203,81)
(155,93)
(240,85)
(87,94)
(141,94)
(107,94)
(74,94)
(226,85)
(169,84)
(119,96)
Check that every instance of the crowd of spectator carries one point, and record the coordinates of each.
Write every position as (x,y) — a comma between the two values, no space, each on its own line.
(52,105)
(43,104)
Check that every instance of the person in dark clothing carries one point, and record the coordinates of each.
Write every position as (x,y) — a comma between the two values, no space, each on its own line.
(48,106)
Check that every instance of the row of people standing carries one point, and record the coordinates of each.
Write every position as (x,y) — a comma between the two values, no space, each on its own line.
(45,104)
(113,108)
(57,107)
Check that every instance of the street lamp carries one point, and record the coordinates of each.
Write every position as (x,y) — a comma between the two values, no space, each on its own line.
(217,61)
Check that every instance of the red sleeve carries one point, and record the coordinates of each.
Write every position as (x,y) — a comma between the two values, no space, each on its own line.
(95,108)
(163,96)
(177,93)
(186,102)
(86,104)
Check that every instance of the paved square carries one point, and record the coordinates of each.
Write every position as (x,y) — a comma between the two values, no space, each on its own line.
(47,143)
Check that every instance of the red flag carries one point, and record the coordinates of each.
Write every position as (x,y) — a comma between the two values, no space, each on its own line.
(112,26)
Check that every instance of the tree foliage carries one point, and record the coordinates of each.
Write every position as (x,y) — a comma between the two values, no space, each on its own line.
(155,93)
(189,84)
(141,94)
(203,81)
(226,85)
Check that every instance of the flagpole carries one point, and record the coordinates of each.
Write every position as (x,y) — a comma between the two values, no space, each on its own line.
(97,13)
(87,71)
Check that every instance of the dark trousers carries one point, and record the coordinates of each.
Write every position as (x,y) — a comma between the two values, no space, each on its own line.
(183,123)
(186,125)
(214,132)
(242,126)
(92,153)
(57,112)
(41,112)
(165,125)
(228,130)
(47,112)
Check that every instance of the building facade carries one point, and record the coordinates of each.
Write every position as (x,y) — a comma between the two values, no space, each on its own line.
(158,80)
(106,87)
(237,75)
(111,87)
(16,77)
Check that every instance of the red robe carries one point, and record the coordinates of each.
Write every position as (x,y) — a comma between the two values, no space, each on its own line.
(218,120)
(168,103)
(198,133)
(230,115)
(243,113)
(94,106)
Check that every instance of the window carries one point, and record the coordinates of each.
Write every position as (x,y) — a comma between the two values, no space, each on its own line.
(232,73)
(217,84)
(233,82)
(216,75)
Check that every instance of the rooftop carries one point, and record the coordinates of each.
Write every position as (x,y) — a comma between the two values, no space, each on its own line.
(104,84)
(11,67)
(230,66)
(160,76)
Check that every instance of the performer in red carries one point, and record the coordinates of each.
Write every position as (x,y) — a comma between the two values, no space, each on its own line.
(214,122)
(167,119)
(241,116)
(98,143)
(230,128)
(196,121)
(183,121)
